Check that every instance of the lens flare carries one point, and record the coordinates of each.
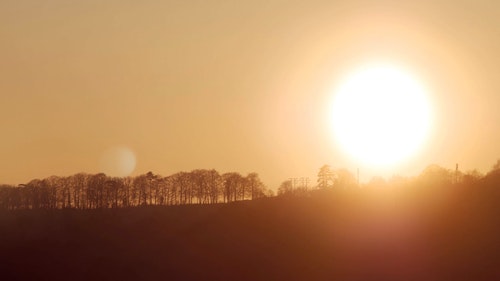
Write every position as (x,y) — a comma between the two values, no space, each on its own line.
(118,161)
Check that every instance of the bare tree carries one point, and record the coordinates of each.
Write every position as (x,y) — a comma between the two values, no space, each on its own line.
(84,191)
(286,188)
(256,186)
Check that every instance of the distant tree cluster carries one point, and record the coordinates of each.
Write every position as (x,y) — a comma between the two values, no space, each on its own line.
(328,178)
(433,176)
(86,191)
(290,188)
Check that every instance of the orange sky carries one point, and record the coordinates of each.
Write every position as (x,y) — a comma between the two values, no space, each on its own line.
(233,85)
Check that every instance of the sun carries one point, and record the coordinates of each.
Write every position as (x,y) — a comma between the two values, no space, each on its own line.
(381,115)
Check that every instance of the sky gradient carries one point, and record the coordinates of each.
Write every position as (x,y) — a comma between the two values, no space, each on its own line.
(233,85)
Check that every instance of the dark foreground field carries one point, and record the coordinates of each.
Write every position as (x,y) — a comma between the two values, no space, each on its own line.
(347,235)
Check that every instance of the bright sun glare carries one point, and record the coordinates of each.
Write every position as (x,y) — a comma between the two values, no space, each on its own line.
(380,115)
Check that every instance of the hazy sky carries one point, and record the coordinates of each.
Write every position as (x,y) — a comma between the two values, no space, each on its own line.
(233,85)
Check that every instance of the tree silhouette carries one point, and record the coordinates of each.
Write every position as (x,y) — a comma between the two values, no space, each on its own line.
(471,177)
(344,178)
(201,186)
(434,175)
(285,188)
(257,188)
(326,177)
(496,166)
(84,191)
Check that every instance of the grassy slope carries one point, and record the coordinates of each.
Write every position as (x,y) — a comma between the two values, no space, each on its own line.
(355,235)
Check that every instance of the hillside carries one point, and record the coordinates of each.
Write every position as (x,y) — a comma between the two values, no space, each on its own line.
(340,235)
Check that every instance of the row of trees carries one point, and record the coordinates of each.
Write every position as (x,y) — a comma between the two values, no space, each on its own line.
(431,176)
(86,191)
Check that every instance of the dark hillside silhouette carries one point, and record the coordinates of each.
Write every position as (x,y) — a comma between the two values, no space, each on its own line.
(427,228)
(336,235)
